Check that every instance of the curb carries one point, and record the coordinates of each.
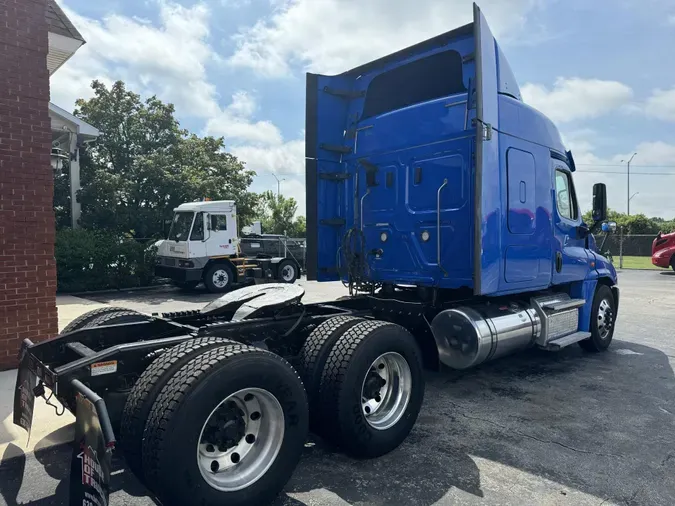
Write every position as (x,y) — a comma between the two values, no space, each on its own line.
(120,290)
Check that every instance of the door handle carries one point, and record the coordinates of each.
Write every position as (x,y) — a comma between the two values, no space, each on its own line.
(558,261)
(438,226)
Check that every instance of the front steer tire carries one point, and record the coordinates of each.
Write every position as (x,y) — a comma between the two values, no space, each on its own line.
(219,278)
(142,396)
(349,363)
(603,312)
(178,416)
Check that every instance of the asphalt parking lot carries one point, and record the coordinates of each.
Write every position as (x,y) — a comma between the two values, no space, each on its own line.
(537,428)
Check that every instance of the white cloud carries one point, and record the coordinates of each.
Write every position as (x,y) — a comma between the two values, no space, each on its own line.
(651,193)
(169,60)
(281,159)
(575,98)
(357,31)
(661,104)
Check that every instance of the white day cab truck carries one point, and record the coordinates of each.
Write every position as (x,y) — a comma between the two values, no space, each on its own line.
(203,246)
(448,207)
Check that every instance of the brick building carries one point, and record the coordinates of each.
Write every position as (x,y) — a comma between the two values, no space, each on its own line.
(36,38)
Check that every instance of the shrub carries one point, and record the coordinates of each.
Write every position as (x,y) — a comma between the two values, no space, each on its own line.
(92,260)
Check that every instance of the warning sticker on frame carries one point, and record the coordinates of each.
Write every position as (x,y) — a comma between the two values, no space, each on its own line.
(101,368)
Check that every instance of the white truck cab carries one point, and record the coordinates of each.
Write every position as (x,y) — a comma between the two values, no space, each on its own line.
(203,245)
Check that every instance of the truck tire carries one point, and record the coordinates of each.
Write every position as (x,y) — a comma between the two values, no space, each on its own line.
(145,390)
(117,318)
(381,362)
(603,315)
(218,278)
(287,272)
(313,357)
(84,319)
(672,263)
(242,410)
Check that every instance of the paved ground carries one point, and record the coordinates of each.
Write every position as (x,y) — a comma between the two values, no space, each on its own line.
(537,428)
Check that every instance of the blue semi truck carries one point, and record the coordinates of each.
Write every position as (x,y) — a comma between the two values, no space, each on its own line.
(446,205)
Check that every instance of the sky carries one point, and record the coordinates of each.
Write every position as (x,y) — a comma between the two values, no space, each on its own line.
(601,70)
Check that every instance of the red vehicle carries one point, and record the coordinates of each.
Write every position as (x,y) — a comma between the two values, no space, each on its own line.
(663,250)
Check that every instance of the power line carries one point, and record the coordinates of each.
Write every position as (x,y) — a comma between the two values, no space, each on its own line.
(621,165)
(623,173)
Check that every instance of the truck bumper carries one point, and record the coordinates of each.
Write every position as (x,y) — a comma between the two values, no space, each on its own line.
(661,261)
(178,274)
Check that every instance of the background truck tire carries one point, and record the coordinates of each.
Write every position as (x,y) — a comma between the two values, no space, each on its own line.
(117,318)
(345,378)
(172,432)
(218,278)
(143,394)
(672,263)
(287,272)
(603,311)
(84,319)
(313,357)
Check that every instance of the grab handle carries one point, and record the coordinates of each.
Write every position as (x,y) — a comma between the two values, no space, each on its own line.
(438,226)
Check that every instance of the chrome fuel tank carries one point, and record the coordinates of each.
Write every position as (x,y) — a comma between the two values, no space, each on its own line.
(468,336)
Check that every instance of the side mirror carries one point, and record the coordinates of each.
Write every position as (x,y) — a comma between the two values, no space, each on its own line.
(599,202)
(609,226)
(207,217)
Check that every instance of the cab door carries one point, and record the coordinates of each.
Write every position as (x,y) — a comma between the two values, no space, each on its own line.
(221,235)
(571,261)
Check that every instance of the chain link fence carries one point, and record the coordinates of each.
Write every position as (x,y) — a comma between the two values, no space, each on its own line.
(628,251)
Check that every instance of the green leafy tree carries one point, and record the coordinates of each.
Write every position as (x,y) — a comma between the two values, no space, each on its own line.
(144,165)
(277,213)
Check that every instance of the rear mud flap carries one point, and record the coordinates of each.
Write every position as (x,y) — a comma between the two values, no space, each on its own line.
(24,396)
(91,462)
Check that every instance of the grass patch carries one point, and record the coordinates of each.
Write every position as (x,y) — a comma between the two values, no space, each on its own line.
(636,263)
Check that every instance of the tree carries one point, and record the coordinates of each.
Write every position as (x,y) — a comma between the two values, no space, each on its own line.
(144,165)
(276,214)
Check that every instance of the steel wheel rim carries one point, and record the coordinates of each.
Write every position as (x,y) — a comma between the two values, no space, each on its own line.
(261,426)
(221,278)
(605,319)
(287,272)
(383,407)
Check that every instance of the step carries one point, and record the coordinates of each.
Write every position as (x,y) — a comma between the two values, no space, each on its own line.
(561,342)
(563,305)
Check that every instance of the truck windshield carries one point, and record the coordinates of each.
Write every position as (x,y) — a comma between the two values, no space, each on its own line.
(180,228)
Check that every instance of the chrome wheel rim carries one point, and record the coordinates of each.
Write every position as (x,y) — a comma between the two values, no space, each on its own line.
(287,273)
(240,439)
(221,278)
(386,391)
(605,319)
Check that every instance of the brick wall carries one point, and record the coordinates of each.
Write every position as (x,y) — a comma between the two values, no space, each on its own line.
(27,266)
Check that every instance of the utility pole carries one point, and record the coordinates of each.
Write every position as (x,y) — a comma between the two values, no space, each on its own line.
(628,196)
(278,183)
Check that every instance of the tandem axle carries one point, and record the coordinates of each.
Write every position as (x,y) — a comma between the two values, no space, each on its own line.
(239,383)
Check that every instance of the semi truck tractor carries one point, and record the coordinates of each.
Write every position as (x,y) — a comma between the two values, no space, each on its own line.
(203,245)
(444,202)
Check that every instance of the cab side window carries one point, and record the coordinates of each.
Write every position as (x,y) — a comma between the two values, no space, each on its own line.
(218,222)
(198,228)
(566,201)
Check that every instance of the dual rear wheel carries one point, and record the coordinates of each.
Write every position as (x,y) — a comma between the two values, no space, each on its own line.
(215,422)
